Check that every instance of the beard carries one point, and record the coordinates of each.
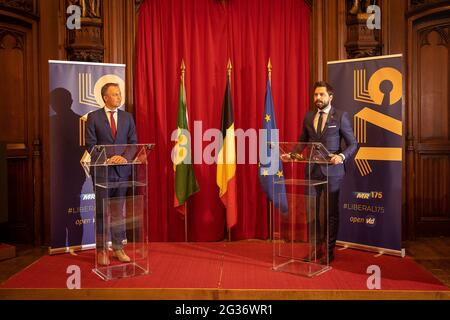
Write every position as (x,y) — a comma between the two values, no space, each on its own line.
(322,105)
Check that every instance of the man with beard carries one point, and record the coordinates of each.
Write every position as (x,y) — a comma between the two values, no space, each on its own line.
(329,126)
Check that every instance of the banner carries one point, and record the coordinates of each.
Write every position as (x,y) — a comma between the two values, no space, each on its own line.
(74,91)
(371,90)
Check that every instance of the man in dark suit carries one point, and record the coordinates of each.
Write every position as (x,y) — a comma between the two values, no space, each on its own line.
(111,126)
(329,126)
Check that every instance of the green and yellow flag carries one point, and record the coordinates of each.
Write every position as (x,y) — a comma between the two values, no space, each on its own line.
(185,181)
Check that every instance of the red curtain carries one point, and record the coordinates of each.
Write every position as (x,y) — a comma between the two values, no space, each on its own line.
(205,33)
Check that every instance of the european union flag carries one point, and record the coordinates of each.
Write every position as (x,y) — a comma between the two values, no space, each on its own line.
(270,171)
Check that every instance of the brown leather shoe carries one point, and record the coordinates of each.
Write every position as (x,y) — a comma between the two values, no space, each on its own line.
(102,258)
(121,255)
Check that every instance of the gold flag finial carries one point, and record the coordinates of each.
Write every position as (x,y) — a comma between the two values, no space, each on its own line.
(269,69)
(229,67)
(183,69)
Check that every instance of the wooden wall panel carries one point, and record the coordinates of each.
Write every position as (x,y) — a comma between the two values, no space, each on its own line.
(393,26)
(119,28)
(428,108)
(51,43)
(19,107)
(433,193)
(419,30)
(13,107)
(30,35)
(328,36)
(20,198)
(433,61)
(3,189)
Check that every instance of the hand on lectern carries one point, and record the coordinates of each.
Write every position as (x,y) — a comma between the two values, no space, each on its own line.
(336,159)
(291,156)
(116,160)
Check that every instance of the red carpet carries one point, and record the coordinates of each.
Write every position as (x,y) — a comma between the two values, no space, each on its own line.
(239,265)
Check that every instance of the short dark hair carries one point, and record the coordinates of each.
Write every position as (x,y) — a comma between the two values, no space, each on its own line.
(325,84)
(105,88)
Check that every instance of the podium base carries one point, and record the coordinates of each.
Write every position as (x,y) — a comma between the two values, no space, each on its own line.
(127,270)
(303,268)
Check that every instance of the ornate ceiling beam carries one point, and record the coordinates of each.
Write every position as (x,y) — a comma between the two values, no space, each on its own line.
(86,43)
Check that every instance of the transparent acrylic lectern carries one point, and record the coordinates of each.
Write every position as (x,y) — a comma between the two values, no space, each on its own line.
(300,209)
(120,177)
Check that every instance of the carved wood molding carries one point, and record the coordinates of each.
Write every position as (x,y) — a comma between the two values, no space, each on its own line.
(410,143)
(18,37)
(24,8)
(442,31)
(22,5)
(419,6)
(361,41)
(86,43)
(418,3)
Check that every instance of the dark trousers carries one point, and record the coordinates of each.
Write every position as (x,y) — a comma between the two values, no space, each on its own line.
(334,184)
(115,209)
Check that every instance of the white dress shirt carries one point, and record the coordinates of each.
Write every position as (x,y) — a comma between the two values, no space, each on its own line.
(325,111)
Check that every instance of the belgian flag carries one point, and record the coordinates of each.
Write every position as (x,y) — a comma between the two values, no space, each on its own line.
(226,160)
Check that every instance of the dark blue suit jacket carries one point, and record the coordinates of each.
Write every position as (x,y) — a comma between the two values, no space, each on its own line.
(98,132)
(337,128)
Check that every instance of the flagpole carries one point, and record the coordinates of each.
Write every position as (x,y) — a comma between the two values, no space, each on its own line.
(269,71)
(185,223)
(183,71)
(229,68)
(270,221)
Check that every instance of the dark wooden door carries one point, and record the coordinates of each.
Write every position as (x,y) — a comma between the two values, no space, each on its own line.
(428,153)
(18,111)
